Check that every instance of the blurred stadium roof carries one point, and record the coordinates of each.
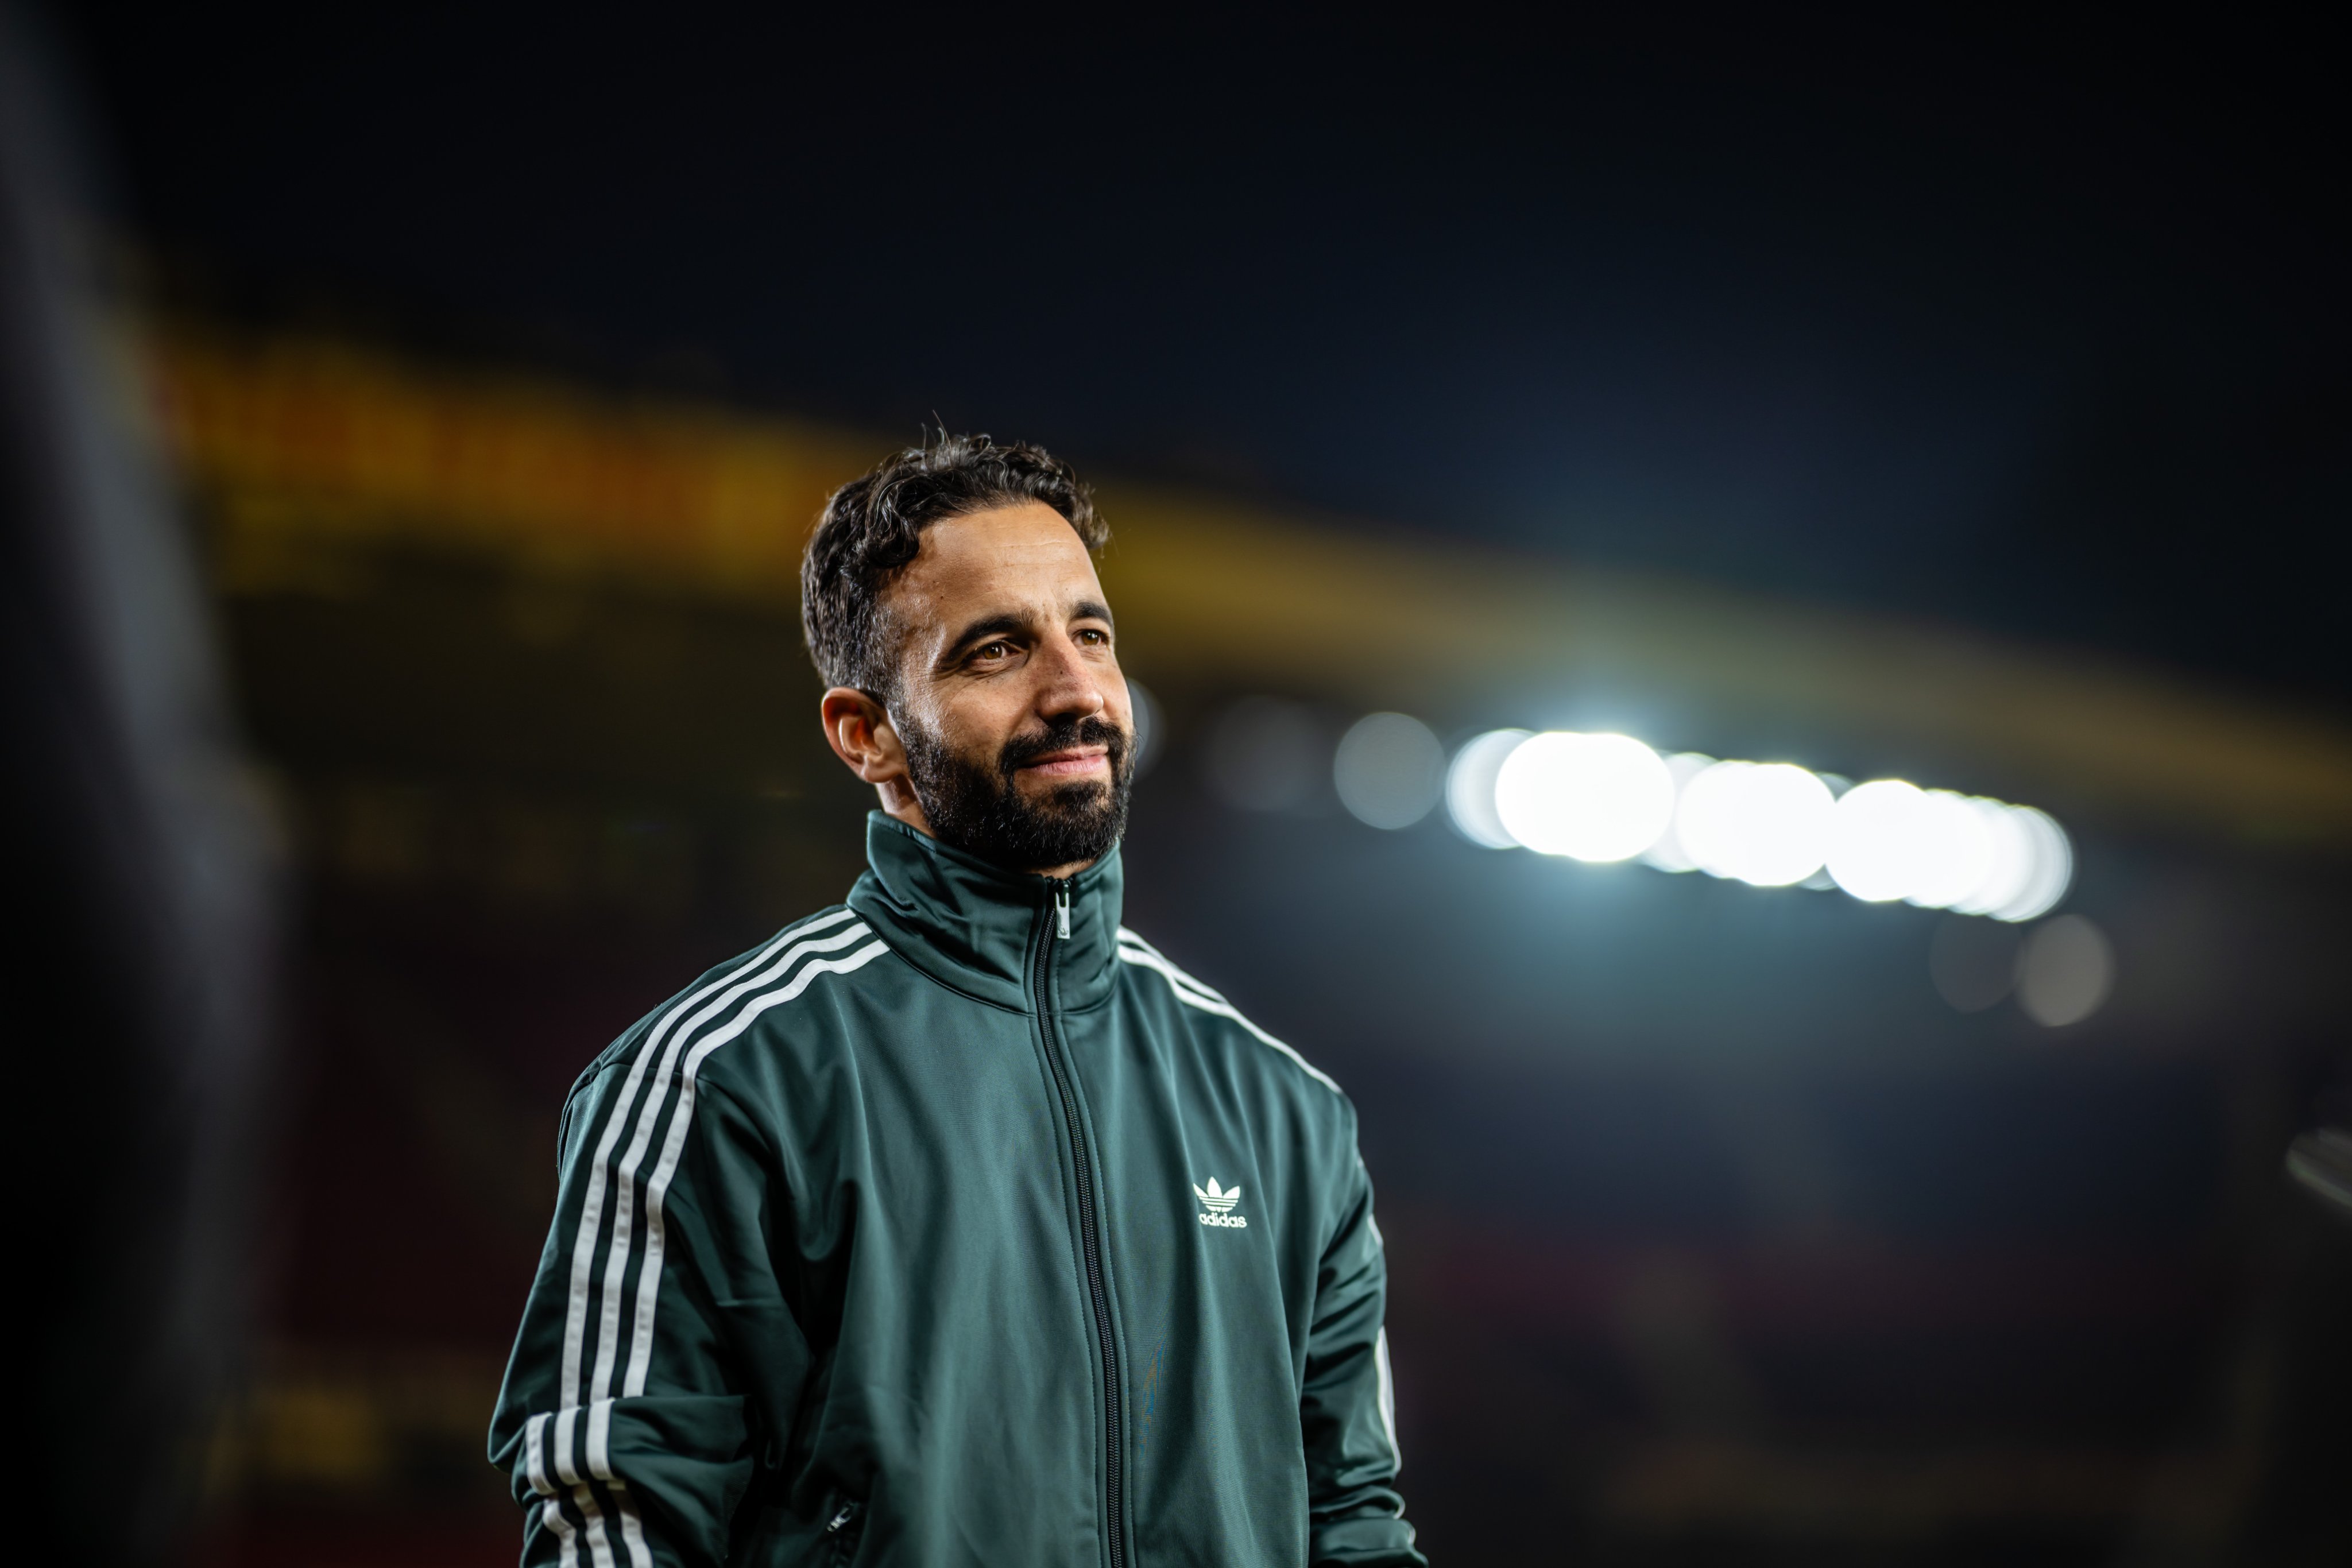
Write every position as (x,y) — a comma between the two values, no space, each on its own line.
(310,447)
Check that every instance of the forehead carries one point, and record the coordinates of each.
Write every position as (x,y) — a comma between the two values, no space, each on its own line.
(1024,559)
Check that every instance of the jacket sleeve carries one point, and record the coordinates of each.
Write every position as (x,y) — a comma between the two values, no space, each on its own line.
(1348,1409)
(632,1414)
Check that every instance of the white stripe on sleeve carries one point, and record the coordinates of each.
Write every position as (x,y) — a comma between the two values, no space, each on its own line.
(1387,1395)
(591,1210)
(534,1457)
(624,1237)
(566,1421)
(633,1533)
(592,1522)
(641,1341)
(567,1546)
(600,1439)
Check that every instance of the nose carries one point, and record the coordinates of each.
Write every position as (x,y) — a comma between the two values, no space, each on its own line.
(1069,687)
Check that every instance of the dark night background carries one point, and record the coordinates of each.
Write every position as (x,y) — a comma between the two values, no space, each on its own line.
(1717,1237)
(2037,325)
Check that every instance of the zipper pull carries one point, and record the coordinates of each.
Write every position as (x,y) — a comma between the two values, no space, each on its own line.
(841,1520)
(1062,913)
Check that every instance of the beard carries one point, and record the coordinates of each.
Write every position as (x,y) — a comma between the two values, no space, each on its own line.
(976,804)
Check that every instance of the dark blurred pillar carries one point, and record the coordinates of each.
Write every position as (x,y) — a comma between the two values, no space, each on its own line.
(136,893)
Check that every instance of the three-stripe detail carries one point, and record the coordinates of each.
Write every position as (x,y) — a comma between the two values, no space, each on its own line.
(566,1450)
(1134,949)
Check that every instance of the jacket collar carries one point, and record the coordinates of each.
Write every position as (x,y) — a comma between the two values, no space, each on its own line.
(976,926)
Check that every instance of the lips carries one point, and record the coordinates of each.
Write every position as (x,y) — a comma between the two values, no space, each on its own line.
(1070,765)
(1070,751)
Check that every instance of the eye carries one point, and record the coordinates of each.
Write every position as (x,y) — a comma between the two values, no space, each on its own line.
(1094,636)
(995,650)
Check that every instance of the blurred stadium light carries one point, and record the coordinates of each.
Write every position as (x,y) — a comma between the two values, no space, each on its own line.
(1390,771)
(1607,798)
(1768,824)
(2064,972)
(1470,788)
(1594,798)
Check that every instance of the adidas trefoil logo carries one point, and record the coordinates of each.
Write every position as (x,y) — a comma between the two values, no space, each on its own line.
(1217,1205)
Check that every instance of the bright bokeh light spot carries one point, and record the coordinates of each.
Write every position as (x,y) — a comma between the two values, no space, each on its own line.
(1668,854)
(1389,770)
(2030,866)
(1764,823)
(1772,824)
(1594,798)
(1470,788)
(1955,852)
(1891,839)
(2053,867)
(1701,828)
(2011,858)
(1874,839)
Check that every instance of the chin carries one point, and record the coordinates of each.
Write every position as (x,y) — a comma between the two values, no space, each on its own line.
(1068,794)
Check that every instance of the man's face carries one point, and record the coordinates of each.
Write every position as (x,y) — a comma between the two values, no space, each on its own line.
(1011,705)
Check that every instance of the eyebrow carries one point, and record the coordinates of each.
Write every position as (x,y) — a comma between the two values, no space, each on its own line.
(987,627)
(997,625)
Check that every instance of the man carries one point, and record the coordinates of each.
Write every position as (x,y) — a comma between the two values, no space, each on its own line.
(956,1224)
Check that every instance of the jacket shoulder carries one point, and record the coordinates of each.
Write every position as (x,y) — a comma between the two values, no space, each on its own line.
(1156,969)
(727,999)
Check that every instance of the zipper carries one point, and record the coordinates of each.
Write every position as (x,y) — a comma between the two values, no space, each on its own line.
(842,1531)
(1089,1234)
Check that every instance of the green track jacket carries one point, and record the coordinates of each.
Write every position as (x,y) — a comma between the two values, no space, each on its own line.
(956,1224)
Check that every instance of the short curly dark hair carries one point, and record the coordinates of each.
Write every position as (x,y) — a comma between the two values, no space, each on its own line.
(872,528)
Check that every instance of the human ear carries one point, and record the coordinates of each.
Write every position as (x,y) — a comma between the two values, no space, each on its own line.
(858,729)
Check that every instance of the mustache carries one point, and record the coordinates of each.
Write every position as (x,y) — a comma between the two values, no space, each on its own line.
(1093,730)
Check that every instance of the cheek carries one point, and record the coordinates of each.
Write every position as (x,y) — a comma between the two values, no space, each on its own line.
(978,721)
